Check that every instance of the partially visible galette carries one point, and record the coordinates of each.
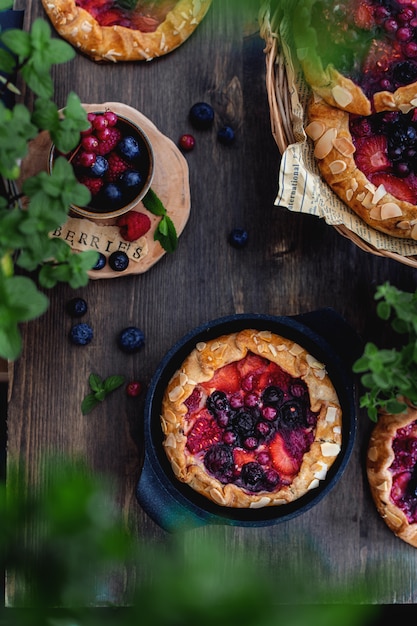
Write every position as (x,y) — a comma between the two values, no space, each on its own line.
(125,30)
(359,55)
(392,472)
(370,162)
(250,420)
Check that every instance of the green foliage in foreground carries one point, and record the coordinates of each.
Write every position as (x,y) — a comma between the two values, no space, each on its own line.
(391,374)
(24,234)
(60,571)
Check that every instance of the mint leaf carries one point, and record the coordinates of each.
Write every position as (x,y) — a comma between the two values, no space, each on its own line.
(113,382)
(153,204)
(89,403)
(101,389)
(166,234)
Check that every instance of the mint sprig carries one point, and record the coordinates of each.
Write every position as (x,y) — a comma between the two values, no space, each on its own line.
(165,232)
(100,389)
(390,375)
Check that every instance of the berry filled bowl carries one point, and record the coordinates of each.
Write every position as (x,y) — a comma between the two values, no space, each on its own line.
(115,161)
(249,420)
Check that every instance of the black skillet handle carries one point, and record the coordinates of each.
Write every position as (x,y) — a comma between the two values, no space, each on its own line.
(330,325)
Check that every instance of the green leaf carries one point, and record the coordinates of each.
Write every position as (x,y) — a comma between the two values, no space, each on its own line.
(153,204)
(10,342)
(166,234)
(17,41)
(113,382)
(89,403)
(95,381)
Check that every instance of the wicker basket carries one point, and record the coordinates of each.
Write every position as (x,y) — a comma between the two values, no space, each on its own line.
(279,108)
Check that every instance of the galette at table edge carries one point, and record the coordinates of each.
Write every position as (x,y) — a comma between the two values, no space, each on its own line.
(392,472)
(125,30)
(359,55)
(250,420)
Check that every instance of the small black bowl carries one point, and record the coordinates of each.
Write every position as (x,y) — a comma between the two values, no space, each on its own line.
(176,506)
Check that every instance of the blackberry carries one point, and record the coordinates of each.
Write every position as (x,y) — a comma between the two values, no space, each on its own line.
(81,334)
(76,307)
(252,476)
(118,261)
(219,461)
(131,339)
(292,415)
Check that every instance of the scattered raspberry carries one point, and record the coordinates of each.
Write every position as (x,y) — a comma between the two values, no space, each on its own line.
(133,225)
(107,145)
(117,165)
(93,184)
(134,389)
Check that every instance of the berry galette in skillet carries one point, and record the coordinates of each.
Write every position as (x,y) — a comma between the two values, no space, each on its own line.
(125,30)
(251,419)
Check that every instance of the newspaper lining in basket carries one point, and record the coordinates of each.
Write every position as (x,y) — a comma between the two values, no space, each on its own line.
(300,186)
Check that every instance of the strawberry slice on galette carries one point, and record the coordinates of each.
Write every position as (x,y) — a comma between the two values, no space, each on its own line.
(251,419)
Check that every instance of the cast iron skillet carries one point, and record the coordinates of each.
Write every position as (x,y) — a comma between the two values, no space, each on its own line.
(174,505)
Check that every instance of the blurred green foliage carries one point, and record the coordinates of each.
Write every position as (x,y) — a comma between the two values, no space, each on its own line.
(60,545)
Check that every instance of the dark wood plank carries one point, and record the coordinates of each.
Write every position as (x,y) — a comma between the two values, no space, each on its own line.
(293,264)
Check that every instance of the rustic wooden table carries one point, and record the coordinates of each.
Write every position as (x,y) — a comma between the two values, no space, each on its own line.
(292,264)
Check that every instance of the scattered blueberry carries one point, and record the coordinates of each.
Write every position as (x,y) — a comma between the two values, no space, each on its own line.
(81,334)
(118,261)
(131,179)
(238,238)
(101,262)
(112,193)
(129,147)
(76,307)
(100,167)
(201,115)
(226,135)
(131,339)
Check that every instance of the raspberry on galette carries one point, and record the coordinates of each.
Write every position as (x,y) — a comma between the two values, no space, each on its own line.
(125,30)
(250,420)
(358,55)
(392,472)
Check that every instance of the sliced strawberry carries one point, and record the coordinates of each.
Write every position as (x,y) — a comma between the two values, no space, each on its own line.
(252,364)
(282,460)
(111,17)
(372,155)
(143,23)
(241,457)
(397,187)
(133,225)
(274,375)
(225,379)
(363,15)
(203,434)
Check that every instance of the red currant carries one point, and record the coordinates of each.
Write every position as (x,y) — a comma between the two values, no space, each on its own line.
(87,159)
(100,122)
(111,118)
(89,143)
(186,142)
(91,117)
(134,388)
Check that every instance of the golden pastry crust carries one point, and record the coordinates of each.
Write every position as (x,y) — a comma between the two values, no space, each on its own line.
(379,459)
(200,366)
(118,43)
(328,127)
